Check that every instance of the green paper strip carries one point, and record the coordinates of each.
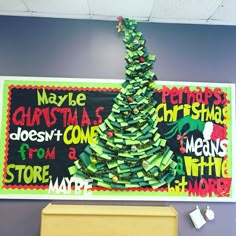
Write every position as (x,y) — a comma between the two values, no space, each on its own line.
(163,143)
(105,156)
(119,170)
(140,174)
(167,157)
(112,164)
(102,184)
(72,170)
(84,158)
(92,168)
(98,149)
(78,166)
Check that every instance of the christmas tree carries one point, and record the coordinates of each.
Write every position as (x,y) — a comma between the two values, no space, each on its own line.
(130,152)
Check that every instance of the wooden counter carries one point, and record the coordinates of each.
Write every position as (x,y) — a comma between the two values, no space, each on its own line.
(99,220)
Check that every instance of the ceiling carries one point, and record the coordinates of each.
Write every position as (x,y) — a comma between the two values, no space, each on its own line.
(219,12)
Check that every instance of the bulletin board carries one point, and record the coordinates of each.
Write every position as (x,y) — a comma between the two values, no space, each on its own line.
(47,124)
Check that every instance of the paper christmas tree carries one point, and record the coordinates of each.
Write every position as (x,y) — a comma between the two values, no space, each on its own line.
(130,152)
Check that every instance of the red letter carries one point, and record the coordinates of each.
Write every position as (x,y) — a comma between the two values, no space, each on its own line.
(99,121)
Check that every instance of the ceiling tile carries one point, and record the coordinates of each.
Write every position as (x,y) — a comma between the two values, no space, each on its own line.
(138,9)
(15,13)
(184,9)
(12,5)
(226,11)
(178,21)
(61,15)
(58,6)
(219,12)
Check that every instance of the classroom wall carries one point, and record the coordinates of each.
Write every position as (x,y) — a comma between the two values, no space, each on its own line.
(94,49)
